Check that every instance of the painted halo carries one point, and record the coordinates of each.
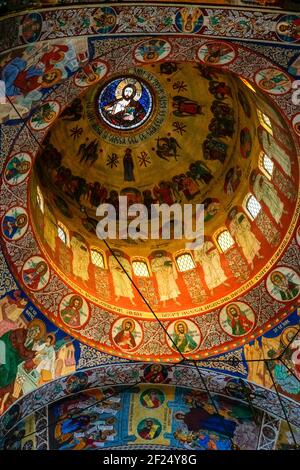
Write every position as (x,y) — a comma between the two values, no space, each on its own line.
(45,116)
(283,284)
(185,336)
(17,168)
(273,81)
(35,273)
(237,319)
(74,311)
(152,50)
(14,223)
(127,334)
(216,53)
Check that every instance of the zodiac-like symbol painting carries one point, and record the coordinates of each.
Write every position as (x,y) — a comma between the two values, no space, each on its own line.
(237,319)
(149,428)
(127,334)
(156,373)
(104,20)
(31,27)
(167,147)
(283,284)
(90,74)
(288,28)
(189,20)
(273,81)
(216,53)
(74,311)
(35,273)
(14,223)
(17,168)
(185,336)
(152,50)
(77,382)
(45,115)
(125,103)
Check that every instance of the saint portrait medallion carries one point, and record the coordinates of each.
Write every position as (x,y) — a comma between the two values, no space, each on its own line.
(125,103)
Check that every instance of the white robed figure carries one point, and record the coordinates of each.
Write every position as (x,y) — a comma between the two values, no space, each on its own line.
(50,228)
(45,358)
(265,191)
(209,258)
(166,275)
(122,283)
(274,151)
(81,259)
(240,229)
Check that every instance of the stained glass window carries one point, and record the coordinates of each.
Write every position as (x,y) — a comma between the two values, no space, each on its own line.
(140,268)
(125,103)
(265,121)
(248,84)
(225,240)
(253,206)
(62,233)
(97,259)
(40,199)
(185,262)
(267,165)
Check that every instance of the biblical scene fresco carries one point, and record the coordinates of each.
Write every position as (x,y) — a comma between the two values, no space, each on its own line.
(33,351)
(282,342)
(161,415)
(166,415)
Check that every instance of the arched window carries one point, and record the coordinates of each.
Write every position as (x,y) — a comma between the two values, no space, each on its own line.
(265,121)
(63,233)
(225,240)
(252,206)
(40,199)
(185,262)
(140,268)
(267,165)
(97,258)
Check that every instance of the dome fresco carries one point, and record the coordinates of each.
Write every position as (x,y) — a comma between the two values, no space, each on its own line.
(176,110)
(210,148)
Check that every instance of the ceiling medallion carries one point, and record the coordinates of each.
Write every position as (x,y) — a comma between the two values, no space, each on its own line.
(128,103)
(125,103)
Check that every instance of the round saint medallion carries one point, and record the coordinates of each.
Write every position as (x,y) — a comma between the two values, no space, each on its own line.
(125,103)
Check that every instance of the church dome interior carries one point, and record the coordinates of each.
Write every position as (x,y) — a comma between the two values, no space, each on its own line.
(181,336)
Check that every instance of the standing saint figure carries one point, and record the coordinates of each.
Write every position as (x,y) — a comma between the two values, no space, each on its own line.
(265,191)
(45,359)
(122,283)
(128,166)
(166,275)
(273,150)
(81,259)
(240,229)
(209,258)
